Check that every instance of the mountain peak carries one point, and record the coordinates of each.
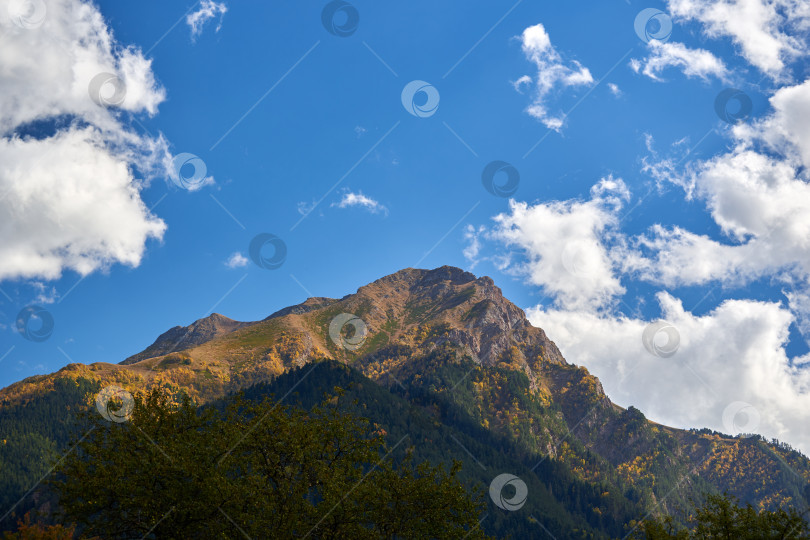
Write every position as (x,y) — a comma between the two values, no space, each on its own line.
(448,273)
(184,337)
(475,312)
(421,276)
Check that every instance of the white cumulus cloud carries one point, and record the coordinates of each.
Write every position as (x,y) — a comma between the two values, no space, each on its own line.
(564,245)
(735,353)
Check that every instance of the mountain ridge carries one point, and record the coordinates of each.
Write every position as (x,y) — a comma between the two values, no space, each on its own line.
(453,341)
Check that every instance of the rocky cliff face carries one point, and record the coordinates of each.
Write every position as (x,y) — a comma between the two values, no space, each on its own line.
(480,319)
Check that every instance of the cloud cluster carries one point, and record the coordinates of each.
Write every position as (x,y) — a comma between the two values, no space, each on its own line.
(757,193)
(763,30)
(552,74)
(70,171)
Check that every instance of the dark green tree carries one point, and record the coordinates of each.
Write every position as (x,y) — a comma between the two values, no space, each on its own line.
(723,518)
(255,469)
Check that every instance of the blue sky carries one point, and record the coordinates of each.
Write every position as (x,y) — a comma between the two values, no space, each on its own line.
(612,134)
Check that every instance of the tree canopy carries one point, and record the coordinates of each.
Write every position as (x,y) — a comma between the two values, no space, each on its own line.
(254,469)
(723,518)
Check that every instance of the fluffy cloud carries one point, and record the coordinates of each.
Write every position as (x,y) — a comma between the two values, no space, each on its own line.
(72,48)
(72,204)
(693,62)
(786,130)
(733,354)
(552,73)
(758,195)
(208,10)
(564,245)
(762,29)
(70,172)
(351,199)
